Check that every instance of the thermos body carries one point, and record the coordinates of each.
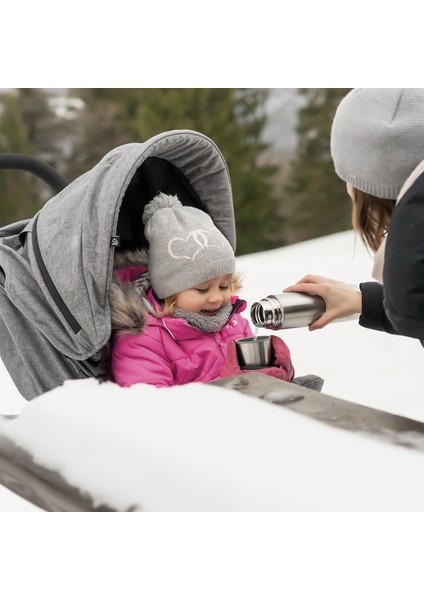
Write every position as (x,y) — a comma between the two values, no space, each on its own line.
(287,310)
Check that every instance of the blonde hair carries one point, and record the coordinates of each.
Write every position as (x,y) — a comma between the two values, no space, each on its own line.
(371,217)
(169,304)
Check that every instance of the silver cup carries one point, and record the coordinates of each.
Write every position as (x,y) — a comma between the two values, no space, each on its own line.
(254,352)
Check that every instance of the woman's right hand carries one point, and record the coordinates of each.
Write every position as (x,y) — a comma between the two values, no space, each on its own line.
(341,299)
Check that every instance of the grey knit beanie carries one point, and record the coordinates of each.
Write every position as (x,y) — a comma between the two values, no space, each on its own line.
(377,138)
(186,248)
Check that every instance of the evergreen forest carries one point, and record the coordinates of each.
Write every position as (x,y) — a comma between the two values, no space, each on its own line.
(278,199)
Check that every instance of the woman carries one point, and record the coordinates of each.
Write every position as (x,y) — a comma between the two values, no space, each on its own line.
(377,146)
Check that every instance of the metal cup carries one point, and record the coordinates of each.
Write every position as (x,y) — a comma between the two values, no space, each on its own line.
(254,352)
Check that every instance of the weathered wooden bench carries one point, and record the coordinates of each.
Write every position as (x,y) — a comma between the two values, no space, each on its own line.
(49,491)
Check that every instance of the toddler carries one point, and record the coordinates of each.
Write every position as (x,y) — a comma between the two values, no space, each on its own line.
(175,311)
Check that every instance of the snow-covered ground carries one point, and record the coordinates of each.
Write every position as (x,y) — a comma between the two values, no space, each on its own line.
(362,366)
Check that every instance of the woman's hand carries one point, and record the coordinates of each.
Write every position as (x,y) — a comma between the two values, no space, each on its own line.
(341,299)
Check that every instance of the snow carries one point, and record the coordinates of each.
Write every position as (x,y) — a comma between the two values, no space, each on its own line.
(201,448)
(196,448)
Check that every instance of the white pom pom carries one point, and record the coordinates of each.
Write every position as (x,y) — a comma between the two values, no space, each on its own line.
(160,201)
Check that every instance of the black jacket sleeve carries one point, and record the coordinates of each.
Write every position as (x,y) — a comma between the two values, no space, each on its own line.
(404,264)
(373,315)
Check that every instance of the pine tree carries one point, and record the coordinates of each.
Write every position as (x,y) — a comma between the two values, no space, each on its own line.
(233,118)
(48,133)
(315,199)
(16,201)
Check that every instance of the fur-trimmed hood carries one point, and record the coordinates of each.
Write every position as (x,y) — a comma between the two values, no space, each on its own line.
(127,295)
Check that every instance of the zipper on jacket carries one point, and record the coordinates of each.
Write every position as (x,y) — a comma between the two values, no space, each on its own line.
(69,317)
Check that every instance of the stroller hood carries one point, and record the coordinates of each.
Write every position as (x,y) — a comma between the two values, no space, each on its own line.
(61,277)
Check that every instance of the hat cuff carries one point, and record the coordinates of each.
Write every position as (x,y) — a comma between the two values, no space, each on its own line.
(381,191)
(167,288)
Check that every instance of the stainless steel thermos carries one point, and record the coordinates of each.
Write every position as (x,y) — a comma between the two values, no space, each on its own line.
(287,310)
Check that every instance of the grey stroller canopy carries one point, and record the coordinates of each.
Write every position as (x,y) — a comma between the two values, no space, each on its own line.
(56,268)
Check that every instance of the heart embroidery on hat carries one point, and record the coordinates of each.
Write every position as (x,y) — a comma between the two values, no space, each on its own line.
(196,241)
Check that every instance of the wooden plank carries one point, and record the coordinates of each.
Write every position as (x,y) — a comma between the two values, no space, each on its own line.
(43,487)
(48,490)
(328,409)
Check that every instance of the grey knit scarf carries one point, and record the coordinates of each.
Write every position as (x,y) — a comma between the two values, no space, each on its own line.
(204,322)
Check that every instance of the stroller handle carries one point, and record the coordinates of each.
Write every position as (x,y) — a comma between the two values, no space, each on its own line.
(35,166)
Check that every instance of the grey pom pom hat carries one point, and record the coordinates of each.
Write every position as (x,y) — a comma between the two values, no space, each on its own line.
(185,247)
(377,138)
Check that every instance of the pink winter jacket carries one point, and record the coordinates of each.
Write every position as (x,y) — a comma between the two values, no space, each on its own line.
(169,351)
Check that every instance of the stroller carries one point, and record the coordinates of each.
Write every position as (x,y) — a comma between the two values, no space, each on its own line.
(56,268)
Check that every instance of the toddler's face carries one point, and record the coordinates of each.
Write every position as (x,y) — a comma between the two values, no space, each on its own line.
(207,297)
